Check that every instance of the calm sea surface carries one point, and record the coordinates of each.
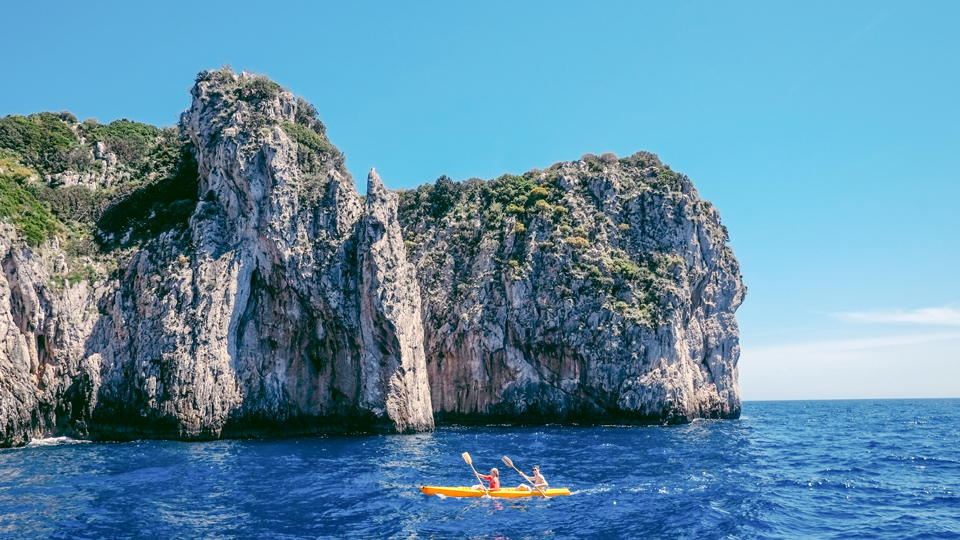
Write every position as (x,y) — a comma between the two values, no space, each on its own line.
(816,469)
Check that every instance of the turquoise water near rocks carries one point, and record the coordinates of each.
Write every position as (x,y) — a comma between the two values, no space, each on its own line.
(815,469)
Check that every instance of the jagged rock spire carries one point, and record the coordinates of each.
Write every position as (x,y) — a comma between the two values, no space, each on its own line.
(394,370)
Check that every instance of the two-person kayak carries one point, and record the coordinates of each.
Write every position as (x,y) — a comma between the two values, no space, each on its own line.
(497,491)
(509,493)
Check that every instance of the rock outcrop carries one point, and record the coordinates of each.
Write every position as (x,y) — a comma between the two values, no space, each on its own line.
(392,360)
(47,381)
(265,296)
(286,306)
(601,290)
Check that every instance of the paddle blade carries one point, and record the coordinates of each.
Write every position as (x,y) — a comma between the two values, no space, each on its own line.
(507,461)
(466,457)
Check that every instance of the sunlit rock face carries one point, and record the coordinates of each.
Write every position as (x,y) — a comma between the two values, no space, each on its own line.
(601,290)
(245,289)
(286,305)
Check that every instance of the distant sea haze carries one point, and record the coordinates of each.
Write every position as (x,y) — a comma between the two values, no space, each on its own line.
(887,469)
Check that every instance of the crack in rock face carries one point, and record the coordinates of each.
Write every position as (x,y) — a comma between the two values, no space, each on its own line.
(601,290)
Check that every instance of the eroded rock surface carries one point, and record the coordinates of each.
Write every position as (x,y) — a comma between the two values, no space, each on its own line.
(285,306)
(601,290)
(263,296)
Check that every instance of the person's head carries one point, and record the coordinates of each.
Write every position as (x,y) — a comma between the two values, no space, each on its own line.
(494,472)
(536,469)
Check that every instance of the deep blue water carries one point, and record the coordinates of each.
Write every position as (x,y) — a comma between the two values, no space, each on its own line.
(815,469)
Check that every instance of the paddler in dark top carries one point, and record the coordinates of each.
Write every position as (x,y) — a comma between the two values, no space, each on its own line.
(538,480)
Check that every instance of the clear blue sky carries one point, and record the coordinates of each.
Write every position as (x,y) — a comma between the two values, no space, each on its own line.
(827,133)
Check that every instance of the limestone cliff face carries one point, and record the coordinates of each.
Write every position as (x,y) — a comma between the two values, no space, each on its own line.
(48,381)
(601,290)
(285,306)
(246,289)
(392,356)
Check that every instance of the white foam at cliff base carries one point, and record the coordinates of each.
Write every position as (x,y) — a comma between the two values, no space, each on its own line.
(54,441)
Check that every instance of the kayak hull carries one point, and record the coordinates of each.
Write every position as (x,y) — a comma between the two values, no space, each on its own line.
(506,493)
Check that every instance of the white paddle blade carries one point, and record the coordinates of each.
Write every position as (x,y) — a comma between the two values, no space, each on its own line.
(507,461)
(466,457)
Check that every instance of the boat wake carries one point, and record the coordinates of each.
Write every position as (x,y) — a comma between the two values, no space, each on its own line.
(594,490)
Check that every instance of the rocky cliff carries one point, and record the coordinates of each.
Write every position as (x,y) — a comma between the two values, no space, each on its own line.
(285,305)
(225,279)
(601,290)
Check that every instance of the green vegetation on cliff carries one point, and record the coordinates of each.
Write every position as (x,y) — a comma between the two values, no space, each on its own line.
(132,142)
(51,183)
(44,142)
(100,187)
(148,208)
(38,134)
(19,206)
(567,229)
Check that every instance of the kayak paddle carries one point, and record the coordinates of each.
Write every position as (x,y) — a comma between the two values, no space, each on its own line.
(466,457)
(510,463)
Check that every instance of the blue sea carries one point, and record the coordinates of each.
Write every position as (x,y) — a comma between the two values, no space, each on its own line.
(813,469)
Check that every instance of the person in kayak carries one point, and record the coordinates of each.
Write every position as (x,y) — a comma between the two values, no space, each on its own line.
(538,480)
(493,478)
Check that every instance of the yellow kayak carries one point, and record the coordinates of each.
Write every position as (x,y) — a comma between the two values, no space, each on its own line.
(509,493)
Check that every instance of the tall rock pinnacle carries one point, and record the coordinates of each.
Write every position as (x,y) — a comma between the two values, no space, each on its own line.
(393,361)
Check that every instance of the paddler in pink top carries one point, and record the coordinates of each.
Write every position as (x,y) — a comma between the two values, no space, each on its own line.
(493,478)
